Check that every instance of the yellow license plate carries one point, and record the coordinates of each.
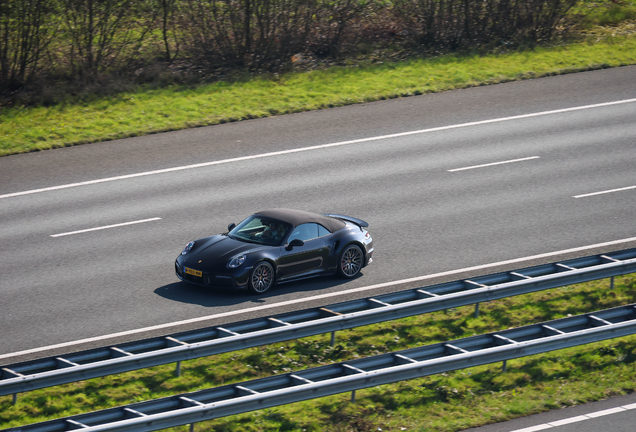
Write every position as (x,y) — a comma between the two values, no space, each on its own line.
(193,272)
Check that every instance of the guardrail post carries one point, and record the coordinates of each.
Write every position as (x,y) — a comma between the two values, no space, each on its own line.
(612,283)
(177,372)
(505,365)
(15,398)
(476,310)
(333,338)
(353,396)
(191,427)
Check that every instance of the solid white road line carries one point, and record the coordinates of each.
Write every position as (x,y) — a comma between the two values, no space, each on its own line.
(534,428)
(605,412)
(493,164)
(577,418)
(605,192)
(323,146)
(569,420)
(105,227)
(241,312)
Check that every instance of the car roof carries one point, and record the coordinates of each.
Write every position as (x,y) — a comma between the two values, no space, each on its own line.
(298,217)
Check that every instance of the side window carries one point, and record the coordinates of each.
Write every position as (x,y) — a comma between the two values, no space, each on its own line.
(322,231)
(304,232)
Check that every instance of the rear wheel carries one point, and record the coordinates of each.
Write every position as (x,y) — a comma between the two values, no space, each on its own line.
(350,262)
(262,278)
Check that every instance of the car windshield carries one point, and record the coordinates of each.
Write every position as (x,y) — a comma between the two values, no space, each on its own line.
(260,230)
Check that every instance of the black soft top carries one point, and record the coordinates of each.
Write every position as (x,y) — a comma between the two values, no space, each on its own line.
(298,217)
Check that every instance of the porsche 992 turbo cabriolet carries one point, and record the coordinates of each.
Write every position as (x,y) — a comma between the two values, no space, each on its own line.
(275,246)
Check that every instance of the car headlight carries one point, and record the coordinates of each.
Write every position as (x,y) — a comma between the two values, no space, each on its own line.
(188,247)
(236,261)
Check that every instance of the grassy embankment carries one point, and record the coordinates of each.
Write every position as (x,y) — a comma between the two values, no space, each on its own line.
(158,110)
(447,402)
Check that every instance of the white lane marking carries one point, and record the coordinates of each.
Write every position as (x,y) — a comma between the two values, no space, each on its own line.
(605,192)
(317,147)
(569,420)
(241,312)
(577,418)
(605,412)
(493,164)
(105,227)
(534,428)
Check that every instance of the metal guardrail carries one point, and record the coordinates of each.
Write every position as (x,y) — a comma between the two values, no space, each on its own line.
(189,408)
(94,363)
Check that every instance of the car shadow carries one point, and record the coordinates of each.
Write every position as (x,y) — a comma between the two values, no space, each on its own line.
(184,292)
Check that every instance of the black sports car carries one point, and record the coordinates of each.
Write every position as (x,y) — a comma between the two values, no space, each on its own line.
(277,245)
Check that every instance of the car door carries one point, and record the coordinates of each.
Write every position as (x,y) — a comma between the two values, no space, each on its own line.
(303,260)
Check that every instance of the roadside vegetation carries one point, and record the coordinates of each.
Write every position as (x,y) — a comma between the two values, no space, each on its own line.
(443,403)
(78,94)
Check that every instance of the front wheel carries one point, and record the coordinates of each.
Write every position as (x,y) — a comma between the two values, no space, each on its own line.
(262,278)
(350,262)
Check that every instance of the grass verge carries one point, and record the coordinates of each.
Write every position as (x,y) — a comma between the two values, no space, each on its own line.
(447,402)
(152,111)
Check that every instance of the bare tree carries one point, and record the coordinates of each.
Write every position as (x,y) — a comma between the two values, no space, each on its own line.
(26,29)
(457,24)
(249,33)
(105,34)
(220,30)
(168,33)
(334,19)
(281,29)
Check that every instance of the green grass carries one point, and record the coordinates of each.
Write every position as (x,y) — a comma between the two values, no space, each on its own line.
(445,402)
(601,13)
(152,111)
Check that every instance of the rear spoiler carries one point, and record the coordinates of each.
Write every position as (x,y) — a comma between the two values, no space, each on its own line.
(359,222)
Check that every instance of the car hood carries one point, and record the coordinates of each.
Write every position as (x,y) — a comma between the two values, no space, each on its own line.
(219,249)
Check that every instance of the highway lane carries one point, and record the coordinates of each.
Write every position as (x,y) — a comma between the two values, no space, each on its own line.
(428,212)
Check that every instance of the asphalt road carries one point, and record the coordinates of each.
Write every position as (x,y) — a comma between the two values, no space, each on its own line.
(426,172)
(616,414)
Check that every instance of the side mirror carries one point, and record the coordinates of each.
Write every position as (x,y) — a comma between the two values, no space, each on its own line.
(294,243)
(231,226)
